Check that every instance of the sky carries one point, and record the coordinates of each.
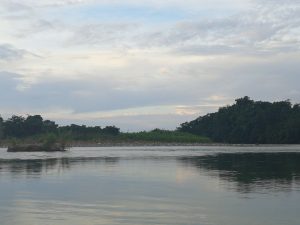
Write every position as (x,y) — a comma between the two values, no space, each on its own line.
(145,64)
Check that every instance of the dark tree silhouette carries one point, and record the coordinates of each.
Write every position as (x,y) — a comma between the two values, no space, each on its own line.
(1,127)
(111,130)
(21,127)
(250,122)
(33,125)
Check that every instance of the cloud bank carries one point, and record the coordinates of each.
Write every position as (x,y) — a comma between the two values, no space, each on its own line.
(145,64)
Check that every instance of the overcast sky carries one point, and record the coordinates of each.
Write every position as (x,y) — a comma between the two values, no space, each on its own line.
(142,64)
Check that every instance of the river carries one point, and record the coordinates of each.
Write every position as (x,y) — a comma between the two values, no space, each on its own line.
(152,185)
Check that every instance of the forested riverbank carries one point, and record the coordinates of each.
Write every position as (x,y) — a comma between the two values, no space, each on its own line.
(250,122)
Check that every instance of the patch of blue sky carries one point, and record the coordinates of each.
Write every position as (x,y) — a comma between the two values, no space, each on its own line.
(108,13)
(151,16)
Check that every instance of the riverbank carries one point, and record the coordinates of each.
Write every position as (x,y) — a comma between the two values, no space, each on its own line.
(158,144)
(153,144)
(152,138)
(126,144)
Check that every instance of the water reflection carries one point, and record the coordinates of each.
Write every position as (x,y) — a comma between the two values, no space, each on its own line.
(251,172)
(145,187)
(37,167)
(243,172)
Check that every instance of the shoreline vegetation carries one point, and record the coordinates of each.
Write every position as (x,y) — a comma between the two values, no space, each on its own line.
(250,122)
(37,148)
(151,138)
(154,144)
(246,122)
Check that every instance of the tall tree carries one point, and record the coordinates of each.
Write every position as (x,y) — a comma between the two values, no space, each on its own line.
(1,127)
(14,127)
(33,125)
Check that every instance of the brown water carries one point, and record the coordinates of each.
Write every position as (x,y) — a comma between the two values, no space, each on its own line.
(152,185)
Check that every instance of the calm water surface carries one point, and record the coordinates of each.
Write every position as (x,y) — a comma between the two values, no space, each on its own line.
(152,185)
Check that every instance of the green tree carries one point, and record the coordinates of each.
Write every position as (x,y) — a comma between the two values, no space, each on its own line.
(14,127)
(1,127)
(49,127)
(33,125)
(111,130)
(249,121)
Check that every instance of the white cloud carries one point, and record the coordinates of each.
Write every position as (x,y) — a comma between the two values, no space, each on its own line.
(140,74)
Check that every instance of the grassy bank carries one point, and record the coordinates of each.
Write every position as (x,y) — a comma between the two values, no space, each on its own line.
(164,137)
(155,137)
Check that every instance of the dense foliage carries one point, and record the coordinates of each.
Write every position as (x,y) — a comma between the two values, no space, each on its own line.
(21,127)
(36,129)
(166,136)
(250,122)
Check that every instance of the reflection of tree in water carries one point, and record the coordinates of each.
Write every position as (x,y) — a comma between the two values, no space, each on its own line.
(251,171)
(38,166)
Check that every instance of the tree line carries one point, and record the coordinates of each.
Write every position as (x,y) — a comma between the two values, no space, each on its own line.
(23,127)
(33,128)
(250,122)
(245,122)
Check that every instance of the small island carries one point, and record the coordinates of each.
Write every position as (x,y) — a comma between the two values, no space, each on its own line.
(36,148)
(50,143)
